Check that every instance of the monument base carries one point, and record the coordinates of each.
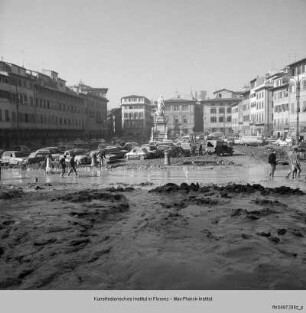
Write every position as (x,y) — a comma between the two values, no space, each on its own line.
(159,131)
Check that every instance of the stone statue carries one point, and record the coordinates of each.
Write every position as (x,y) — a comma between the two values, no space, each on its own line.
(160,106)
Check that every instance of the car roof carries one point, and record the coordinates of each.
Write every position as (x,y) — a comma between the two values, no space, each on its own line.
(48,148)
(11,151)
(42,151)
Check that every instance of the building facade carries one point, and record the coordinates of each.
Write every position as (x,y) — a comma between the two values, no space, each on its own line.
(180,116)
(280,98)
(261,107)
(95,104)
(297,97)
(114,122)
(235,118)
(245,112)
(217,116)
(136,117)
(38,108)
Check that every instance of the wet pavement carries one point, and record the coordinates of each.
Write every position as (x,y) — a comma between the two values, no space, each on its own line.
(250,171)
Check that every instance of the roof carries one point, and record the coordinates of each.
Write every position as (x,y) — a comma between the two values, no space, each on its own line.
(176,99)
(225,90)
(297,62)
(134,96)
(225,100)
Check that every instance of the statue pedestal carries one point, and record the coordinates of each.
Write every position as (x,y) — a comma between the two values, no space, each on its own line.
(160,130)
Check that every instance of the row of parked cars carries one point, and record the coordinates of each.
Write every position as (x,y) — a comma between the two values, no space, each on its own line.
(130,151)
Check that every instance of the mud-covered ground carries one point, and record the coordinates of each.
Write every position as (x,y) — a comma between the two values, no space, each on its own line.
(53,236)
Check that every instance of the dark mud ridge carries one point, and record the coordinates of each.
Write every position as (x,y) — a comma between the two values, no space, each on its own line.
(10,192)
(45,242)
(92,194)
(234,188)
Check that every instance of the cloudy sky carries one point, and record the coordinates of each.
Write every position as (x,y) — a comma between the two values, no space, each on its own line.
(154,48)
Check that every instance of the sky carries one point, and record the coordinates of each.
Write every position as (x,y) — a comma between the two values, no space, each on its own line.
(154,47)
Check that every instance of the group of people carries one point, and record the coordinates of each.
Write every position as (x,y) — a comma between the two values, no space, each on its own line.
(294,163)
(72,163)
(96,157)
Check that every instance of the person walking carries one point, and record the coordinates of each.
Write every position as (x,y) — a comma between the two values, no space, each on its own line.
(200,149)
(93,159)
(101,157)
(296,164)
(48,168)
(290,152)
(62,163)
(72,163)
(272,162)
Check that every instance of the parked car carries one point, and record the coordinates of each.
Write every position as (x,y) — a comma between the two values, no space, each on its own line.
(56,152)
(302,150)
(22,148)
(137,153)
(281,143)
(153,151)
(174,151)
(186,146)
(237,141)
(13,157)
(230,140)
(83,159)
(129,145)
(120,153)
(37,156)
(271,140)
(215,136)
(252,141)
(80,154)
(112,153)
(219,147)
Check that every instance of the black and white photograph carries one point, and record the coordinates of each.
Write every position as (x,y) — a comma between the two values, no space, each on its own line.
(153,155)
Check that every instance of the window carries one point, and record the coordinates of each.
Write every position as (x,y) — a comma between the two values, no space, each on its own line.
(185,108)
(221,119)
(185,119)
(229,110)
(229,119)
(175,107)
(221,111)
(213,119)
(7,116)
(213,111)
(292,88)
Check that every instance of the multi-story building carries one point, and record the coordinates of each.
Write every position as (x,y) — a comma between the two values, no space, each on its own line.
(281,114)
(38,108)
(261,107)
(114,122)
(235,118)
(136,116)
(245,112)
(95,103)
(180,116)
(297,88)
(218,111)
